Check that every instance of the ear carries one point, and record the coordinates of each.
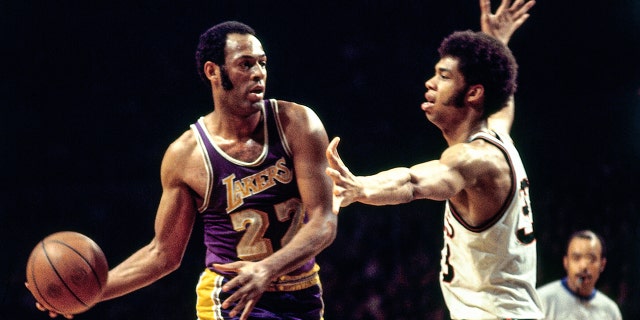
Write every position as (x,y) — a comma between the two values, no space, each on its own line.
(475,93)
(211,70)
(603,263)
(565,263)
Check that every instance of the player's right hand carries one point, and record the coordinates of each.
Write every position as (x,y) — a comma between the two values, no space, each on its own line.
(52,314)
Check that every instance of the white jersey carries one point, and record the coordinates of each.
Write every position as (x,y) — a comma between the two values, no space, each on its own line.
(560,303)
(489,272)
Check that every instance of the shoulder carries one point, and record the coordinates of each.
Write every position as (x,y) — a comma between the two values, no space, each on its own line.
(549,288)
(606,300)
(478,155)
(182,146)
(298,120)
(298,113)
(179,154)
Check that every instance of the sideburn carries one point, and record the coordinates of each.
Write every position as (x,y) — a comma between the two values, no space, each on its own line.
(458,98)
(224,78)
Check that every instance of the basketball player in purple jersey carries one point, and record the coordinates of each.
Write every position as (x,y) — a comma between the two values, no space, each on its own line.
(254,171)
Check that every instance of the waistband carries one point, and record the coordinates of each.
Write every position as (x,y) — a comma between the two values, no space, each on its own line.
(296,282)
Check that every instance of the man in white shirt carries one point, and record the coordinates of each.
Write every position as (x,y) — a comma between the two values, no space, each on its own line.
(575,296)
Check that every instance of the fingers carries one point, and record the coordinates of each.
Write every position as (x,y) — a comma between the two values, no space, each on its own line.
(337,178)
(485,7)
(522,10)
(332,152)
(247,309)
(336,166)
(229,267)
(337,203)
(235,282)
(521,15)
(517,9)
(52,314)
(516,5)
(520,7)
(504,5)
(245,302)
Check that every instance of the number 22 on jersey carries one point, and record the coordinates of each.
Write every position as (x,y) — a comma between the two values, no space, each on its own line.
(253,245)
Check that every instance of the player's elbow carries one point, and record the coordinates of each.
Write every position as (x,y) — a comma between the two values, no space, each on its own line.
(329,231)
(166,260)
(172,264)
(172,261)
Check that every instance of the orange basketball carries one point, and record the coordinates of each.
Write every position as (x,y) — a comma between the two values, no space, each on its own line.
(66,272)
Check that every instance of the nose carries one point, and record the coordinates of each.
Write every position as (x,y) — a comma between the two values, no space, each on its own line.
(584,264)
(259,72)
(430,84)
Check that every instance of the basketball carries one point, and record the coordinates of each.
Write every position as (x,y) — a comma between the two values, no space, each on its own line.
(66,272)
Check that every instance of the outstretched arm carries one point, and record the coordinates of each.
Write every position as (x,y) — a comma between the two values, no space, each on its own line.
(507,19)
(437,180)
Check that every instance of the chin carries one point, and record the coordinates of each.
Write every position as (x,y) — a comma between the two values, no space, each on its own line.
(258,104)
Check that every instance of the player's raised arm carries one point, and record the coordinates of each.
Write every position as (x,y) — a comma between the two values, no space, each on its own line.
(501,25)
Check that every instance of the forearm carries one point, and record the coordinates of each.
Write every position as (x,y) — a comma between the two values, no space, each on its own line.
(502,120)
(310,240)
(141,269)
(388,187)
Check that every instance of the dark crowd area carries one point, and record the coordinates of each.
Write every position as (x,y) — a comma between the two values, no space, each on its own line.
(94,91)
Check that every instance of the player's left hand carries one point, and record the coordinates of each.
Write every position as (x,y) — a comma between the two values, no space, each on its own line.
(346,187)
(506,20)
(250,282)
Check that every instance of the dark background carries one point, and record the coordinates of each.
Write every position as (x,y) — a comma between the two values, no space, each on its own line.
(94,91)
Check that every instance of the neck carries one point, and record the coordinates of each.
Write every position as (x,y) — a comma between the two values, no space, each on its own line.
(462,134)
(234,126)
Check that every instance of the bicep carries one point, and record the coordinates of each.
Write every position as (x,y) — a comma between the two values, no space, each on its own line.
(436,180)
(174,219)
(176,212)
(309,141)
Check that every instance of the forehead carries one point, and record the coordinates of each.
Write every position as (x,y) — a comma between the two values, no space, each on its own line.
(243,45)
(448,63)
(581,245)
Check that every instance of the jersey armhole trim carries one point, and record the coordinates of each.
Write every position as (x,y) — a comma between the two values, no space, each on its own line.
(512,193)
(207,164)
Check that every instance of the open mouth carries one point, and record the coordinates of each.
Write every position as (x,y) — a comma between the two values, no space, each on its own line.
(256,92)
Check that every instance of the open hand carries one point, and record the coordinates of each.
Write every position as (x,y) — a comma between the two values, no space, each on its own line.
(250,282)
(506,20)
(345,185)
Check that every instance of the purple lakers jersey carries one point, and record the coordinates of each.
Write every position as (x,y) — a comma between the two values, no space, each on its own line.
(250,209)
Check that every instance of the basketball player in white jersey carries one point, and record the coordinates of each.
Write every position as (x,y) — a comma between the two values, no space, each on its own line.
(489,255)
